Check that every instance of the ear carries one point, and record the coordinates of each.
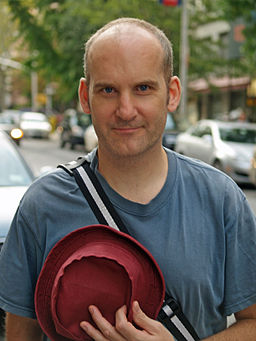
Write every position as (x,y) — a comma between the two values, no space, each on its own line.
(83,96)
(174,93)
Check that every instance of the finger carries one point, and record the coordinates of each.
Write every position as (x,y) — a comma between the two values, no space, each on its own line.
(143,321)
(121,314)
(152,327)
(92,332)
(126,328)
(106,328)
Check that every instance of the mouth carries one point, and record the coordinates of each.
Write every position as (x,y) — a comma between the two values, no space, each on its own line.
(126,130)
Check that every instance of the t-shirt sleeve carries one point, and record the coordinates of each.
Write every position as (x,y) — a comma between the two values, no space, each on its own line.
(19,268)
(240,263)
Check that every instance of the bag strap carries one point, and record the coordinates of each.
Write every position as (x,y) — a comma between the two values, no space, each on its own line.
(171,315)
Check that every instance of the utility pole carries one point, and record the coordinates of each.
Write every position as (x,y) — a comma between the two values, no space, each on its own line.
(184,50)
(2,89)
(34,90)
(5,62)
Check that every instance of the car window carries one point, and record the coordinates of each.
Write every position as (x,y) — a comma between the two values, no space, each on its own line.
(201,130)
(73,120)
(241,135)
(205,131)
(12,169)
(170,123)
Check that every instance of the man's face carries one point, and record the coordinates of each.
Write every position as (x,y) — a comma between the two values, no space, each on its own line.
(127,93)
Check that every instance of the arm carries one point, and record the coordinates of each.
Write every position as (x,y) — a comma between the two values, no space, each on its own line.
(19,328)
(243,330)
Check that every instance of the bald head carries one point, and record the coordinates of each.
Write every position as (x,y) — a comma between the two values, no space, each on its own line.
(117,31)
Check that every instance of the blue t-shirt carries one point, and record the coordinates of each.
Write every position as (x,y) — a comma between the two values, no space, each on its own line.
(199,228)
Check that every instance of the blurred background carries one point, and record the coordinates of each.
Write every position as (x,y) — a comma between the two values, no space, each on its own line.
(41,62)
(42,43)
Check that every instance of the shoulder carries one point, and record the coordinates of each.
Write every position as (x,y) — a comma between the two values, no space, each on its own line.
(58,181)
(192,167)
(51,181)
(198,178)
(45,189)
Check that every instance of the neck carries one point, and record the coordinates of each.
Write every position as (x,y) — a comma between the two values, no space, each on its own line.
(138,178)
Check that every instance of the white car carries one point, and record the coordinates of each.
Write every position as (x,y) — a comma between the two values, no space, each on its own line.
(35,124)
(15,177)
(90,138)
(253,168)
(224,145)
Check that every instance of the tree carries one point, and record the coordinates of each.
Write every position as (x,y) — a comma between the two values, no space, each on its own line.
(9,43)
(56,30)
(246,10)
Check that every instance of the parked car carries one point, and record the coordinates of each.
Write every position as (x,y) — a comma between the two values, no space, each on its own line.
(225,145)
(171,132)
(90,138)
(14,114)
(253,167)
(35,124)
(73,127)
(8,124)
(15,177)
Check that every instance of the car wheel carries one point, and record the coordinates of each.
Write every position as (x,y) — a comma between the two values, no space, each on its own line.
(62,143)
(217,164)
(2,322)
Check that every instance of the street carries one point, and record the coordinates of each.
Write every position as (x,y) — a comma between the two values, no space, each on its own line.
(45,154)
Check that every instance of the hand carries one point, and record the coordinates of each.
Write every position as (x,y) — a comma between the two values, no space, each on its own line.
(124,330)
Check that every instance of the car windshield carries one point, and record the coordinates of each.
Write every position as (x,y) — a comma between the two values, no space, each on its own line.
(33,117)
(6,120)
(12,170)
(241,135)
(170,123)
(84,120)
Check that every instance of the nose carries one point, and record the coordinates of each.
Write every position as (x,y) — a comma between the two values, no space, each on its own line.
(126,108)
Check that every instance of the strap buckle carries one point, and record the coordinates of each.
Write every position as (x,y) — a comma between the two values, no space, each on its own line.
(171,307)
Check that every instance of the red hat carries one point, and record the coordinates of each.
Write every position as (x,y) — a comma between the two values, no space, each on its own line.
(95,265)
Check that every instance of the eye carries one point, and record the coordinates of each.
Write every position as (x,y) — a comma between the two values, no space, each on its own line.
(108,90)
(143,87)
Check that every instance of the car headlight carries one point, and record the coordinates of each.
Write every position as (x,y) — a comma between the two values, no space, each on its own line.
(16,133)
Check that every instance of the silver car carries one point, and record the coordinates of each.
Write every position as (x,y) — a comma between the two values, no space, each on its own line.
(224,145)
(15,177)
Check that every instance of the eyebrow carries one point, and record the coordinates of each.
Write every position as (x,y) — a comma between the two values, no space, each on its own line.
(102,85)
(149,82)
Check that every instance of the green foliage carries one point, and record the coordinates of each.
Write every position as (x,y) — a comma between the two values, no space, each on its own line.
(7,30)
(56,30)
(246,10)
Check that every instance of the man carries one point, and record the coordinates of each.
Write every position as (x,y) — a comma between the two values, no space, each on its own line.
(192,218)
